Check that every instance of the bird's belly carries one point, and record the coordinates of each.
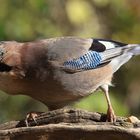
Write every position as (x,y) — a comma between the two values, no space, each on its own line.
(59,88)
(49,91)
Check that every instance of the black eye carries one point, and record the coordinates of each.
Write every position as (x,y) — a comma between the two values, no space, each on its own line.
(1,52)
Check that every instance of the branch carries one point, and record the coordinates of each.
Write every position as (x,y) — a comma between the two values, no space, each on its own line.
(71,124)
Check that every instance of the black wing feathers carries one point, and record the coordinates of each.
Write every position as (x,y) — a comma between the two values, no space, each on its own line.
(100,47)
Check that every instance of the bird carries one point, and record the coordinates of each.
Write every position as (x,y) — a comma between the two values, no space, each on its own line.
(62,70)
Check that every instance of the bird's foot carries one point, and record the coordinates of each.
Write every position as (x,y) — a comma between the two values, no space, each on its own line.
(31,116)
(111,117)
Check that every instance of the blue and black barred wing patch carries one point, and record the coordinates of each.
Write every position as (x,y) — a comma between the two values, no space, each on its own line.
(90,60)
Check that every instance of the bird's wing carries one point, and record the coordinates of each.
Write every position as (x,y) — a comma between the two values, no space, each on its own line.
(78,54)
(66,48)
(71,54)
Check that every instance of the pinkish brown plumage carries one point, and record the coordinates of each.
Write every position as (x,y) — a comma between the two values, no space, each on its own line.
(37,68)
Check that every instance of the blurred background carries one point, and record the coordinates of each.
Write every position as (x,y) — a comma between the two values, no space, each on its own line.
(111,19)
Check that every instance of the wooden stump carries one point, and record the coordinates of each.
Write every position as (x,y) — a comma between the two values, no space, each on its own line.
(71,124)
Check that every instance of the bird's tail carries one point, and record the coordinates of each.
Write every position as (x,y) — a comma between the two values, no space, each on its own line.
(120,55)
(134,48)
(108,55)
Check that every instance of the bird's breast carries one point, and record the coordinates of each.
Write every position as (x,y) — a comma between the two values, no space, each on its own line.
(58,87)
(46,90)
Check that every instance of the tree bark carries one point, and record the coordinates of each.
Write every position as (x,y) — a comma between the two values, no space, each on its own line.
(71,124)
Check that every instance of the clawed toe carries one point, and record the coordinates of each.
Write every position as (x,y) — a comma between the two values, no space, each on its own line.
(31,117)
(111,117)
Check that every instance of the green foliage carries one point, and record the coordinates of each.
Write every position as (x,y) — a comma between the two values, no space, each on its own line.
(114,19)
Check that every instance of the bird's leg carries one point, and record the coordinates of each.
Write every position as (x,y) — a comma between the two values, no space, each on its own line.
(31,117)
(110,112)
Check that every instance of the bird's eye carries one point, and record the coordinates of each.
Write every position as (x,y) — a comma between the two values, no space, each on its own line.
(1,52)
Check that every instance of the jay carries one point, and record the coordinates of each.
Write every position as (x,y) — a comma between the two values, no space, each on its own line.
(59,71)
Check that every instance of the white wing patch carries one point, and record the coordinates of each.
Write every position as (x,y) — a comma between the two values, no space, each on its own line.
(108,45)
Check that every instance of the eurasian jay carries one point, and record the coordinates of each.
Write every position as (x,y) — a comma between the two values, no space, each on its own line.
(59,71)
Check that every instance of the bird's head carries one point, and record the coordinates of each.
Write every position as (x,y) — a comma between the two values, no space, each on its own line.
(9,55)
(3,67)
(2,50)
